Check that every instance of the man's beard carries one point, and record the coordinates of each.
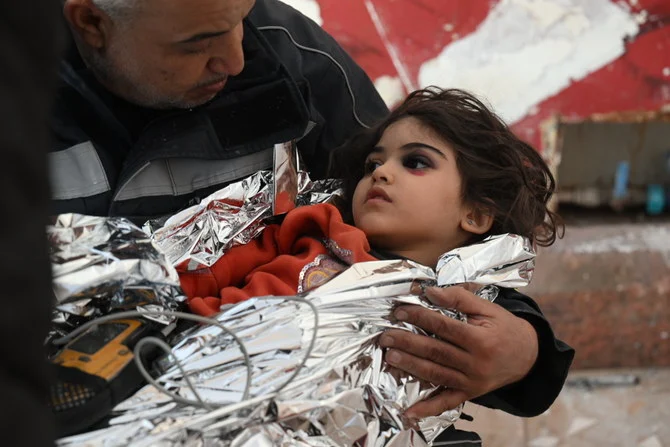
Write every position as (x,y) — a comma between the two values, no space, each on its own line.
(123,84)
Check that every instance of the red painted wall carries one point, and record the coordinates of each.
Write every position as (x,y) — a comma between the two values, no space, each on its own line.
(638,80)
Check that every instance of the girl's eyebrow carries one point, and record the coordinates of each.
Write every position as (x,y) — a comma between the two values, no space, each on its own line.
(409,146)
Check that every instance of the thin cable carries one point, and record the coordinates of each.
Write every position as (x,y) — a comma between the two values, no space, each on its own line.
(168,350)
(201,403)
(197,318)
(332,59)
(287,382)
(165,347)
(225,410)
(312,342)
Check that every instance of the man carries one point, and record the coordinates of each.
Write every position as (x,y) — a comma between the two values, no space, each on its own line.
(27,87)
(163,102)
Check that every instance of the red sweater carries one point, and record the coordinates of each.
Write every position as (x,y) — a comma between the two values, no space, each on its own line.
(308,248)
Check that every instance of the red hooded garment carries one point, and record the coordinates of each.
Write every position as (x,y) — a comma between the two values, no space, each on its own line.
(308,248)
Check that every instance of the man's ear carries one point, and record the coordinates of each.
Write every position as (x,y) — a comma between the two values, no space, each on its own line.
(88,22)
(477,221)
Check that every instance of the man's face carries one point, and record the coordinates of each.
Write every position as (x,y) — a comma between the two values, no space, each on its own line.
(173,53)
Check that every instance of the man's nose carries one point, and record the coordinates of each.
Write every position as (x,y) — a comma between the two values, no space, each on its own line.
(228,55)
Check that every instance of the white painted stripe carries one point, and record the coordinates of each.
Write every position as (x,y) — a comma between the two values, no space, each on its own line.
(396,59)
(526,51)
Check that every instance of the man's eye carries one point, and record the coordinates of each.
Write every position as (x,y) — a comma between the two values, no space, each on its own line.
(197,47)
(414,162)
(194,50)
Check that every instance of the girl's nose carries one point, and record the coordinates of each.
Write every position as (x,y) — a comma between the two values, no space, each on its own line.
(382,173)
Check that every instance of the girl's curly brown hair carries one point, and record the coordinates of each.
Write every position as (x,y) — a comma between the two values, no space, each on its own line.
(503,175)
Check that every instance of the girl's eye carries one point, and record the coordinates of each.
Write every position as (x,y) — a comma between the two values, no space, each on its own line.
(370,166)
(415,162)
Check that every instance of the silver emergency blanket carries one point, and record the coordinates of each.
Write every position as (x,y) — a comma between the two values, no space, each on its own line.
(101,265)
(285,174)
(198,236)
(482,261)
(344,395)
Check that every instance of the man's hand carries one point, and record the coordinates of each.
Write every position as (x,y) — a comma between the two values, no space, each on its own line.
(493,349)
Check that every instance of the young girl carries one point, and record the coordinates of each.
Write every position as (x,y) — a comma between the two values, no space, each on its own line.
(441,171)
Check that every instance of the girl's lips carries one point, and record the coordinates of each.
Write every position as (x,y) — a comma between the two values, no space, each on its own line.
(377,193)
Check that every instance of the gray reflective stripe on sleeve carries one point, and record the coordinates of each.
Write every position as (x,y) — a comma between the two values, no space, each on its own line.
(177,176)
(77,172)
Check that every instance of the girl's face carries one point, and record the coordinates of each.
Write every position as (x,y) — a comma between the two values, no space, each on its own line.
(409,201)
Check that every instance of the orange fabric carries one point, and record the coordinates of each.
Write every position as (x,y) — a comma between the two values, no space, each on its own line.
(272,263)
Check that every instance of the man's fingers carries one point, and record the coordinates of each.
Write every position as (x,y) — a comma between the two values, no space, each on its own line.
(446,328)
(429,348)
(459,299)
(447,400)
(426,369)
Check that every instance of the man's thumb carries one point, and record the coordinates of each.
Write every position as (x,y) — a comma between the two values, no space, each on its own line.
(457,298)
(434,406)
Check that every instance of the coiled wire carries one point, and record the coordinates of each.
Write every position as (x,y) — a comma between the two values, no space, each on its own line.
(199,402)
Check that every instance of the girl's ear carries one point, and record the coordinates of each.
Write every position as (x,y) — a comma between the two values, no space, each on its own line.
(477,221)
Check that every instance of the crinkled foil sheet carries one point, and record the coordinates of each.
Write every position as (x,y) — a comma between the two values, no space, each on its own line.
(482,261)
(198,236)
(344,396)
(101,265)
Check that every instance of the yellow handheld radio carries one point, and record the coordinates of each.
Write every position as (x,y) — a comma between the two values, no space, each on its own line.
(96,371)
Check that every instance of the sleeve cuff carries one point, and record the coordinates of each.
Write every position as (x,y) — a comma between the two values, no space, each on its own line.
(535,393)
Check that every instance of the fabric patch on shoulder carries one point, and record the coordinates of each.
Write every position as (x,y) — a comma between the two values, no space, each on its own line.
(77,172)
(318,272)
(341,253)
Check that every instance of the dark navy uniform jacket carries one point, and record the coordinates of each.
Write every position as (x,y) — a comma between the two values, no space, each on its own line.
(110,157)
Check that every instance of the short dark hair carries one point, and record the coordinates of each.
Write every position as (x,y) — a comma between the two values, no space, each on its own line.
(501,174)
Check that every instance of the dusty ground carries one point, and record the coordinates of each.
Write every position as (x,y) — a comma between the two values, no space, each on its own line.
(605,415)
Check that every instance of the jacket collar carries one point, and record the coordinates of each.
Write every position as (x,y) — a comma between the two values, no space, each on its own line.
(260,107)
